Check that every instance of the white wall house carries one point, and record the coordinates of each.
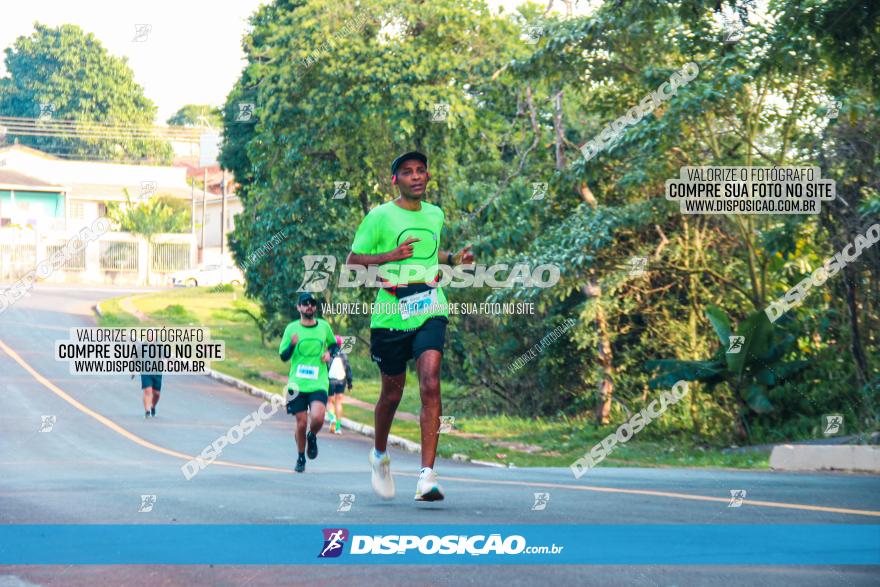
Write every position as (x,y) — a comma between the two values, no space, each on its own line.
(45,200)
(70,194)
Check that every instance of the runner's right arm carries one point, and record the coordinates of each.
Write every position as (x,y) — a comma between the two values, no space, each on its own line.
(285,349)
(403,251)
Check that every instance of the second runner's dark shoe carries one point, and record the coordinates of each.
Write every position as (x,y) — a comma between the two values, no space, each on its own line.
(300,464)
(312,442)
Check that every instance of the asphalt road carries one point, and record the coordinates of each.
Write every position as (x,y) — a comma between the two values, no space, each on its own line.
(101,456)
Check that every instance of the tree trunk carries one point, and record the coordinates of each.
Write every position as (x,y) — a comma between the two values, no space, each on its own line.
(606,386)
(587,195)
(850,276)
(592,289)
(560,131)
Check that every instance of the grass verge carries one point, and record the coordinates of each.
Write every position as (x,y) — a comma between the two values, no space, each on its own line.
(521,442)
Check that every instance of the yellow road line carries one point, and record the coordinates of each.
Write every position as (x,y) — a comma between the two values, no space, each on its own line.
(116,427)
(769,504)
(595,488)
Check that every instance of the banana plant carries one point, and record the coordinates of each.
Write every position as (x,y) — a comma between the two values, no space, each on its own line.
(748,360)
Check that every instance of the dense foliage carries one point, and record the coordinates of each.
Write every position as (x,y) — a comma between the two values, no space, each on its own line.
(196,115)
(340,88)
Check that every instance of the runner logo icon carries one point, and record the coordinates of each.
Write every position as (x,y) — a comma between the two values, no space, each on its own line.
(541,501)
(48,423)
(319,268)
(347,344)
(833,424)
(736,344)
(334,540)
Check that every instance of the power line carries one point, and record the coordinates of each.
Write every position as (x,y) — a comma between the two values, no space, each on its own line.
(95,123)
(88,130)
(105,136)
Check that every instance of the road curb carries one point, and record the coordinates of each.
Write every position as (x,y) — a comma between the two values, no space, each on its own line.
(790,457)
(488,464)
(393,440)
(239,384)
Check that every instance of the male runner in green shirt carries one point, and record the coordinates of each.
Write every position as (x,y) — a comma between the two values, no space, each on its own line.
(402,237)
(308,343)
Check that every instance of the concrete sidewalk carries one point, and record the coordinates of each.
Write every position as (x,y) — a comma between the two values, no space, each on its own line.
(817,457)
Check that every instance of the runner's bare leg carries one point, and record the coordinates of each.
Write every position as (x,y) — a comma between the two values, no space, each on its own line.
(338,406)
(389,399)
(301,420)
(428,367)
(317,410)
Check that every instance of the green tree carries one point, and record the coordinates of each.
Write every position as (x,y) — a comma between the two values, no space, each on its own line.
(316,71)
(70,72)
(196,115)
(750,365)
(518,114)
(147,219)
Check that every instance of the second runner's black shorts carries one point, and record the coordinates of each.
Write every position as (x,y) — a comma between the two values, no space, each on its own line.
(302,401)
(391,349)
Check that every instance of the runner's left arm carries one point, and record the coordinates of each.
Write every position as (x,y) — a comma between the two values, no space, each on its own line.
(330,341)
(347,370)
(461,257)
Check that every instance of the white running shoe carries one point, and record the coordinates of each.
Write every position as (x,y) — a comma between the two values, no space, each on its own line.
(383,484)
(427,488)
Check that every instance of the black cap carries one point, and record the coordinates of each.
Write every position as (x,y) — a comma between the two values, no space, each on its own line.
(305,297)
(406,157)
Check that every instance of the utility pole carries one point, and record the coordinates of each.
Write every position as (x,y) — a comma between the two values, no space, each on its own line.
(223,220)
(192,215)
(204,214)
(192,199)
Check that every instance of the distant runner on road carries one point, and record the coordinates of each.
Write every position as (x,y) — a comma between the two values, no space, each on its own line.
(340,376)
(411,317)
(308,344)
(151,384)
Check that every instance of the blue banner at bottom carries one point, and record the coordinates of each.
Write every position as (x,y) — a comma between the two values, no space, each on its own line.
(764,544)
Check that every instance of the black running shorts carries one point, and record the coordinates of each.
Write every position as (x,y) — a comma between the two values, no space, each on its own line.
(151,380)
(301,402)
(336,387)
(391,349)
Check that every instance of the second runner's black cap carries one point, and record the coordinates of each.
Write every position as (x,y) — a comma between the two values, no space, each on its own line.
(305,297)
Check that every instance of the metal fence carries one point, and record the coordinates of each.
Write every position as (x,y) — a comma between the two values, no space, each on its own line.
(118,255)
(16,259)
(170,257)
(72,261)
(115,257)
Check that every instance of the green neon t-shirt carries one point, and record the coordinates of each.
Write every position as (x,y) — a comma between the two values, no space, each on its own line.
(382,230)
(308,372)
